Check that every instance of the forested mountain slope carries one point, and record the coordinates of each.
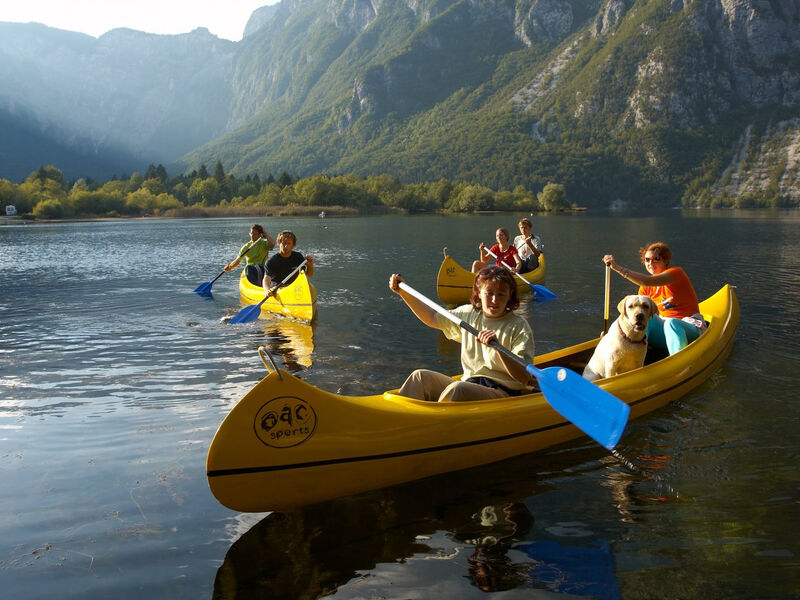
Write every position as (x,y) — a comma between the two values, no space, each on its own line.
(646,101)
(643,101)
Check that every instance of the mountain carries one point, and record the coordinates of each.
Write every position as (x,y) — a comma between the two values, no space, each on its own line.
(259,18)
(121,101)
(644,101)
(25,144)
(641,101)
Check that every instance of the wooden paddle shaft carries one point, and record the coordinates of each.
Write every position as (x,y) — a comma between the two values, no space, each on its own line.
(607,311)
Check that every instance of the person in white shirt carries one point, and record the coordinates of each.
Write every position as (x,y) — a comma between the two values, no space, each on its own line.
(529,246)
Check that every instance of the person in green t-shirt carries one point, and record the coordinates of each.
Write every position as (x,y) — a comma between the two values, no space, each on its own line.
(255,254)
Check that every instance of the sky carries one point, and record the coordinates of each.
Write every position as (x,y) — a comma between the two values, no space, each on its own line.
(223,18)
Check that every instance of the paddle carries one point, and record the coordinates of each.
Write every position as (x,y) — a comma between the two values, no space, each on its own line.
(538,290)
(590,408)
(250,313)
(607,308)
(205,288)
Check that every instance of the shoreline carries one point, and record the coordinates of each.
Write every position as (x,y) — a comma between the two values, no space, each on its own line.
(216,212)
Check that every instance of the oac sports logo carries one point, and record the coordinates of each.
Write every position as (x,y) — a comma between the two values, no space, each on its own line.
(285,421)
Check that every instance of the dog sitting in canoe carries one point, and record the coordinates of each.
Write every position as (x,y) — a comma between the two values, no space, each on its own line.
(624,347)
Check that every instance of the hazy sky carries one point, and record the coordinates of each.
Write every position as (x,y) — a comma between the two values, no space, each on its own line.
(224,18)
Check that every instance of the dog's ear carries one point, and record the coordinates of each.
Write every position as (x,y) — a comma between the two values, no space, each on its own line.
(621,305)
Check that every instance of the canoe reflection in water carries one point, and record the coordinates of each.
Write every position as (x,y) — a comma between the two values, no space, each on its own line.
(455,532)
(290,339)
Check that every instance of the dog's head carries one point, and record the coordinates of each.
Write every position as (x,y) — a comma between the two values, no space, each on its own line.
(637,310)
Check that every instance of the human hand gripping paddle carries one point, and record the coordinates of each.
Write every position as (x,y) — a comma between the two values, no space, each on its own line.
(250,313)
(590,408)
(205,288)
(539,291)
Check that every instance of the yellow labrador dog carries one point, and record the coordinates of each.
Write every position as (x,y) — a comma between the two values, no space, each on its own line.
(624,346)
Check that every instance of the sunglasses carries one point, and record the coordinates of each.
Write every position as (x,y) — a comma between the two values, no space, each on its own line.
(652,259)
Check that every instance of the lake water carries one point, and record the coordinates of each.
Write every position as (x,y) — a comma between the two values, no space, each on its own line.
(114,377)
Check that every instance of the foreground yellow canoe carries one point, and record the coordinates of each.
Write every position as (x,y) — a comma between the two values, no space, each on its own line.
(288,443)
(297,300)
(454,282)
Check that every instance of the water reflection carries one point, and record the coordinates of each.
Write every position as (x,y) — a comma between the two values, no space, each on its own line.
(291,340)
(490,567)
(580,570)
(466,531)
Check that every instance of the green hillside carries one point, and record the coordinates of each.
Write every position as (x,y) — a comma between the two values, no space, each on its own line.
(639,101)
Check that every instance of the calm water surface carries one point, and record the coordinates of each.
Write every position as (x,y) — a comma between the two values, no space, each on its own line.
(114,377)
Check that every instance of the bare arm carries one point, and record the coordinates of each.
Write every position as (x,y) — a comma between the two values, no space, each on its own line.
(309,265)
(534,249)
(232,265)
(636,277)
(422,311)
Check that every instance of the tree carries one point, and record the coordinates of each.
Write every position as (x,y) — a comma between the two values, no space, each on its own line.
(219,173)
(472,198)
(181,192)
(313,191)
(270,195)
(439,193)
(553,197)
(285,179)
(135,182)
(153,185)
(49,208)
(524,200)
(205,192)
(50,173)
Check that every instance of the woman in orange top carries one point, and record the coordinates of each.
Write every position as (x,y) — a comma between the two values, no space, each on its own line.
(679,321)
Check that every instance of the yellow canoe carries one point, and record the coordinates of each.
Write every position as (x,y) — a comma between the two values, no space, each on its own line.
(288,443)
(454,282)
(297,300)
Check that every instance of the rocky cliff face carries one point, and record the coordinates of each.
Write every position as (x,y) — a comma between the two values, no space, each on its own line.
(259,18)
(767,163)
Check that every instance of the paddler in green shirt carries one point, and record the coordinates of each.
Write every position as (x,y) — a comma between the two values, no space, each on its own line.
(255,254)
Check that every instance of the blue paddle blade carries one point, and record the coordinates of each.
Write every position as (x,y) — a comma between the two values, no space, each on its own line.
(590,408)
(542,293)
(247,314)
(204,288)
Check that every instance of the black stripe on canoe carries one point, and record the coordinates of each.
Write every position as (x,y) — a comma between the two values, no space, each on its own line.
(353,459)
